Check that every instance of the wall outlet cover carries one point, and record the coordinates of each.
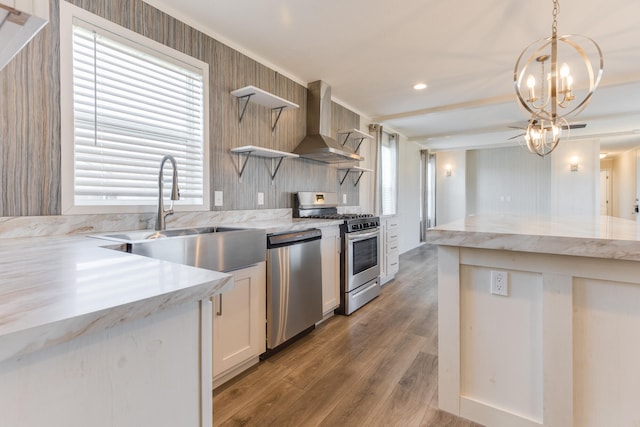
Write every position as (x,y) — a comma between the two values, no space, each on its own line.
(500,283)
(260,199)
(344,198)
(217,198)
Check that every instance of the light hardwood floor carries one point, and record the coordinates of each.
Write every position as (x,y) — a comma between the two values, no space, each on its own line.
(377,367)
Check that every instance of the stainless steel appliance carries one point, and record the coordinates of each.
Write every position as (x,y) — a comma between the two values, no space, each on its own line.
(318,145)
(360,263)
(360,257)
(294,285)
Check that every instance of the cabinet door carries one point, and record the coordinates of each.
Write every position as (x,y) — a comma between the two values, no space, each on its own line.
(239,317)
(330,269)
(389,263)
(392,247)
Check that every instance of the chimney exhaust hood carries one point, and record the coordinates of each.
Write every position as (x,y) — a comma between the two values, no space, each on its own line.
(318,145)
(17,27)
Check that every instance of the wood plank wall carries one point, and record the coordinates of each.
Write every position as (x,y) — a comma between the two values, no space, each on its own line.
(30,119)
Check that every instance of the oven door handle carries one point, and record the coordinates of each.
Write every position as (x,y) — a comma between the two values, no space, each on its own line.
(358,236)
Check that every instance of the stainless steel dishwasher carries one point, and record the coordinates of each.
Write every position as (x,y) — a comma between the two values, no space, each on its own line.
(294,285)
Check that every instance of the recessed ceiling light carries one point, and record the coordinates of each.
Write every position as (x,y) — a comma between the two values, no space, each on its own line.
(420,86)
(603,155)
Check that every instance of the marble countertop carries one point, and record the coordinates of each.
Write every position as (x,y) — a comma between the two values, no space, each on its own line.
(599,237)
(56,288)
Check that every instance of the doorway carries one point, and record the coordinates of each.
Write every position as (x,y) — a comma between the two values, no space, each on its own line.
(605,192)
(427,192)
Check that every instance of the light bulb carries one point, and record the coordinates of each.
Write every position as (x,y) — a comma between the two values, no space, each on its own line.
(564,70)
(531,81)
(531,84)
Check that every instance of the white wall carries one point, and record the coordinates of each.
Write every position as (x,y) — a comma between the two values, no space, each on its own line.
(512,180)
(450,190)
(576,193)
(408,195)
(507,180)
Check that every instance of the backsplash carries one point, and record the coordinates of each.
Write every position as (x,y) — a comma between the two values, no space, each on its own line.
(30,119)
(59,225)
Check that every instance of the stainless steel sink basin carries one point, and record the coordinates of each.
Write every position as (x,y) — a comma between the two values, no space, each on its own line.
(143,235)
(213,248)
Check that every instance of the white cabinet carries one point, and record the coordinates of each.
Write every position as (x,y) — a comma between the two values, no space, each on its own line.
(389,259)
(330,244)
(146,372)
(239,324)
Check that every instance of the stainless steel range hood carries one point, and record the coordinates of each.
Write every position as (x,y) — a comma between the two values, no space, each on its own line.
(17,28)
(318,145)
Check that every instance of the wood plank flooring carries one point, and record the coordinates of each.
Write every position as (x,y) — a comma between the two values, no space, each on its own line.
(377,367)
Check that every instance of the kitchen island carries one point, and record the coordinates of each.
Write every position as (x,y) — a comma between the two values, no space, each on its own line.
(91,336)
(561,348)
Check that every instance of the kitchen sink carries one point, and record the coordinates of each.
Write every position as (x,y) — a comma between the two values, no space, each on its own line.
(143,235)
(213,248)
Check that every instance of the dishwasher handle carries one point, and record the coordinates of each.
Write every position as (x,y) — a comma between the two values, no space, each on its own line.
(292,238)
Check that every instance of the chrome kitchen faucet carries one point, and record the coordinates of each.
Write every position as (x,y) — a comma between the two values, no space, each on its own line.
(175,193)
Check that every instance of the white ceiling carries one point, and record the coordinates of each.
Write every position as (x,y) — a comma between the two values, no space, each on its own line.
(372,52)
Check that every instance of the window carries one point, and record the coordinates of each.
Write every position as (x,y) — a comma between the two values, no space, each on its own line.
(389,173)
(130,101)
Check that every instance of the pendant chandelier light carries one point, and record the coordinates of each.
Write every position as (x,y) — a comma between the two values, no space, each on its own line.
(542,136)
(554,78)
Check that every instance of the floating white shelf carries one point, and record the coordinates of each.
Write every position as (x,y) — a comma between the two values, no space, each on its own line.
(250,150)
(354,134)
(356,169)
(264,98)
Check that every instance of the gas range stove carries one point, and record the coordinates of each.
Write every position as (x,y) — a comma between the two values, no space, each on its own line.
(325,206)
(360,247)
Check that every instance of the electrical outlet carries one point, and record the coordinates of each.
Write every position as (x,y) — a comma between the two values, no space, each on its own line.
(260,199)
(217,198)
(500,283)
(344,198)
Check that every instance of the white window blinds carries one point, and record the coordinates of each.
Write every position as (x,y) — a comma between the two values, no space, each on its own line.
(133,105)
(389,173)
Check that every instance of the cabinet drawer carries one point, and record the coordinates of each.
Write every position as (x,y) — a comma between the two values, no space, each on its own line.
(392,244)
(392,232)
(393,262)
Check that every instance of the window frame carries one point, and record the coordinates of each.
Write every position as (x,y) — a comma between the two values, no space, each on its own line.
(68,13)
(392,175)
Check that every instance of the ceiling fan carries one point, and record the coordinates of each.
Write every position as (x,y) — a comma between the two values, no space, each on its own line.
(564,127)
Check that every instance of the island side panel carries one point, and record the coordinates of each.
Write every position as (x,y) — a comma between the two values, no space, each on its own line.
(588,349)
(144,372)
(606,320)
(449,329)
(501,346)
(557,348)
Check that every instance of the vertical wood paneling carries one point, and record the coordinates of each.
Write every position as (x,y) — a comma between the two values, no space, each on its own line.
(30,118)
(342,118)
(30,127)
